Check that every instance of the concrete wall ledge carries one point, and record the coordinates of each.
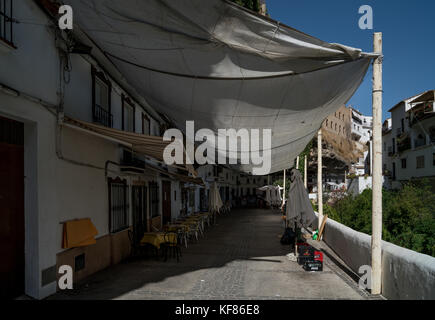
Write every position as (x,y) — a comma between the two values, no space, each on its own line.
(406,274)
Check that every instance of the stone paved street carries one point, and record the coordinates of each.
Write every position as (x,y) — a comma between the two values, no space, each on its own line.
(239,258)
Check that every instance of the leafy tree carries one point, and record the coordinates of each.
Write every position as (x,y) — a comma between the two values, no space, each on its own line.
(408,215)
(253,5)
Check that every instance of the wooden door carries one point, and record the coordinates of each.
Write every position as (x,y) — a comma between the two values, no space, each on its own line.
(11,208)
(166,201)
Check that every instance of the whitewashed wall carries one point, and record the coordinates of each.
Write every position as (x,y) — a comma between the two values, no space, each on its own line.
(406,274)
(32,68)
(56,190)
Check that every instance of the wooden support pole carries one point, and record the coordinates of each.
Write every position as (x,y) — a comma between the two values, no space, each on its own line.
(319,177)
(305,172)
(283,192)
(377,168)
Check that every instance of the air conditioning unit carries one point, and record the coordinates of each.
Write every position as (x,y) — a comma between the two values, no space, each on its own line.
(429,107)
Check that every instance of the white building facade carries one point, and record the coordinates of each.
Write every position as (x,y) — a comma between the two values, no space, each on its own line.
(361,131)
(65,172)
(410,140)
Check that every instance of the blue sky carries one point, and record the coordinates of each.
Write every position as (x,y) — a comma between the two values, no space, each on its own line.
(408,29)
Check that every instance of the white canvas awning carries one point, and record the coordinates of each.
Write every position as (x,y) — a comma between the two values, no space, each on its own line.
(225,67)
(146,145)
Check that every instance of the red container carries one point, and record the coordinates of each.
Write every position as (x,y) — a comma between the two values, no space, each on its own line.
(318,256)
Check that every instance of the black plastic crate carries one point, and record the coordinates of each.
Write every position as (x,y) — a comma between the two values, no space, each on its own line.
(304,259)
(313,266)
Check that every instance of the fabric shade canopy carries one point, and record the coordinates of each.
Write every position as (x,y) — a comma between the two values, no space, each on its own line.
(151,146)
(276,196)
(214,200)
(272,194)
(225,67)
(299,209)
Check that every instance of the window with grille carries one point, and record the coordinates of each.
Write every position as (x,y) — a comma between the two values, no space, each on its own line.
(191,197)
(154,199)
(420,162)
(6,21)
(128,111)
(101,101)
(118,201)
(146,126)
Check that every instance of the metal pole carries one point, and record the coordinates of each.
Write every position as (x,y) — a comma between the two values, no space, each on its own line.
(305,172)
(377,168)
(319,177)
(297,163)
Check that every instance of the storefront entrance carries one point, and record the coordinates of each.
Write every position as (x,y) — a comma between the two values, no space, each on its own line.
(11,208)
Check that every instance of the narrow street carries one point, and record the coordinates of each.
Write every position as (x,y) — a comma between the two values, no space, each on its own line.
(239,258)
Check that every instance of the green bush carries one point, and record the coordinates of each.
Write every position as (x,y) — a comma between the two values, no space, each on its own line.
(408,216)
(253,5)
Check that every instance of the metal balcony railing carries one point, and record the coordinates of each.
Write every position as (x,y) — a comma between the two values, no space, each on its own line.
(419,142)
(6,21)
(399,132)
(102,116)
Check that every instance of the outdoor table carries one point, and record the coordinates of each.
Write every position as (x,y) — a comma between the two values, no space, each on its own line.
(193,226)
(175,227)
(179,228)
(193,218)
(157,238)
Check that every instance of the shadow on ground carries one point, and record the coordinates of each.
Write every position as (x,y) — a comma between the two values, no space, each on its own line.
(239,258)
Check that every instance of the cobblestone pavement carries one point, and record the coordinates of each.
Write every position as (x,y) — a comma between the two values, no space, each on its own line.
(239,258)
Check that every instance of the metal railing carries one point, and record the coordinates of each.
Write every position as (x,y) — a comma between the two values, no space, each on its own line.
(399,132)
(118,207)
(102,116)
(6,21)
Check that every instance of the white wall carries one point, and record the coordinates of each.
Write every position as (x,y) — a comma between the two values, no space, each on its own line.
(175,202)
(411,155)
(32,68)
(82,192)
(56,190)
(40,191)
(411,170)
(359,184)
(406,274)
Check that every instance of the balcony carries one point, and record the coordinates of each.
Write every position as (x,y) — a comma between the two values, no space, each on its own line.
(404,144)
(390,151)
(419,117)
(419,142)
(102,116)
(399,132)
